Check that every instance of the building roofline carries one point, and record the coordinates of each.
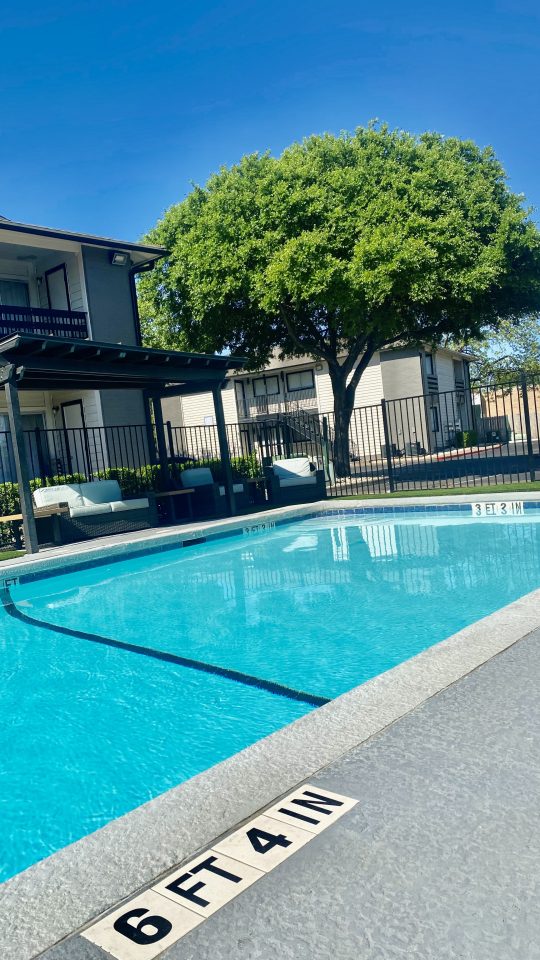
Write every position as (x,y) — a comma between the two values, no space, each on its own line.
(86,238)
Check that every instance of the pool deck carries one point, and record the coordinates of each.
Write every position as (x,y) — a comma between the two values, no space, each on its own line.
(440,858)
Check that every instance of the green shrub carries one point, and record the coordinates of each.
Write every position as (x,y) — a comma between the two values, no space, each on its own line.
(243,468)
(133,481)
(466,438)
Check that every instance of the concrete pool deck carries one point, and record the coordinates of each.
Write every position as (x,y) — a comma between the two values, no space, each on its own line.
(68,890)
(439,860)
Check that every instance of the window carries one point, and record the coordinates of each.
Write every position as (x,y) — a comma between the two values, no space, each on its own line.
(435,419)
(458,371)
(265,386)
(303,380)
(430,364)
(14,293)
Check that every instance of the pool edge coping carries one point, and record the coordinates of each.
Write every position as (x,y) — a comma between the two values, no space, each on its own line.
(69,889)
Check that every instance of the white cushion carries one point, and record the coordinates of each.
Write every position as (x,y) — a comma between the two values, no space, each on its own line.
(90,511)
(298,481)
(237,488)
(100,491)
(64,493)
(196,477)
(118,505)
(295,467)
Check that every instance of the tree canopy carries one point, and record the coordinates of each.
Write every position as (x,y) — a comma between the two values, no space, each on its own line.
(507,353)
(340,246)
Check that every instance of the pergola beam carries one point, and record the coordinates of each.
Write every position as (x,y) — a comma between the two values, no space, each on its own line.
(162,373)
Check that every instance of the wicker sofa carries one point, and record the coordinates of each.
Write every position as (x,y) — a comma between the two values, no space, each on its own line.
(296,480)
(208,496)
(96,509)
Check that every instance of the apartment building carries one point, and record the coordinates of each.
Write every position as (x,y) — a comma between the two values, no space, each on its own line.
(285,391)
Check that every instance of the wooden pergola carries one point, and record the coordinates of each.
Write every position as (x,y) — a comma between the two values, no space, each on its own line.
(30,362)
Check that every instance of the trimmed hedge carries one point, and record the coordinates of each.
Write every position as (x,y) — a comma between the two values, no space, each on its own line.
(243,468)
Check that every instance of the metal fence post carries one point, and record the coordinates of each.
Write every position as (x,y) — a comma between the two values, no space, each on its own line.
(387,447)
(40,458)
(170,438)
(527,418)
(327,464)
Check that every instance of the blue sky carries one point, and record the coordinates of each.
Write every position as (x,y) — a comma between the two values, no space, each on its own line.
(111,108)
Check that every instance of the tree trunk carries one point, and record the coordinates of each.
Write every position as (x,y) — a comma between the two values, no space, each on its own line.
(343,408)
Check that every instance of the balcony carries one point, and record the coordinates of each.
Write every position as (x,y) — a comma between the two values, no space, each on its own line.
(252,407)
(71,324)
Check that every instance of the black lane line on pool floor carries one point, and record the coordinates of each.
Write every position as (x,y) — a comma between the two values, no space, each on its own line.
(269,685)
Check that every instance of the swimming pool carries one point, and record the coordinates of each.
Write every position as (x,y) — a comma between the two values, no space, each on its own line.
(94,725)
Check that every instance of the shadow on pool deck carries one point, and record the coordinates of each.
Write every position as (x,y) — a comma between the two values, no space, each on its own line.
(439,860)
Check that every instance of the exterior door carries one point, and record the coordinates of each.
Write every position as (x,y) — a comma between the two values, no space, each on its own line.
(57,288)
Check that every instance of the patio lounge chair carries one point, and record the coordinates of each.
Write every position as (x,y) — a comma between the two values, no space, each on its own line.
(96,509)
(209,497)
(294,481)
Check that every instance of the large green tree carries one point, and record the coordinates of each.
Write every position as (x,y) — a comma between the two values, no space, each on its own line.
(507,353)
(339,247)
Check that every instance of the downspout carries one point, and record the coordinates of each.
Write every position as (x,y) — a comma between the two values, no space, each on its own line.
(143,267)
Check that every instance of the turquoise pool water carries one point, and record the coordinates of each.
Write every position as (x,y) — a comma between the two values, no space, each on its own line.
(90,731)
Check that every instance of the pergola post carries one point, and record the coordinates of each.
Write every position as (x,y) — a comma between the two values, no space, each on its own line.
(21,464)
(224,448)
(163,455)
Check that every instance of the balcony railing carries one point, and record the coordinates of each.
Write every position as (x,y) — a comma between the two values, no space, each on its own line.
(46,323)
(279,403)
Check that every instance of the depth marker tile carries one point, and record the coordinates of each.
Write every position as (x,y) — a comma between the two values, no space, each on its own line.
(264,843)
(311,808)
(207,883)
(142,928)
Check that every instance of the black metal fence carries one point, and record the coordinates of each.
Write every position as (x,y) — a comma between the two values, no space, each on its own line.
(484,435)
(459,438)
(84,452)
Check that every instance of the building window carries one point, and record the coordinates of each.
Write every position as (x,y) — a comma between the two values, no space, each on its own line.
(430,364)
(458,371)
(303,380)
(265,386)
(435,419)
(14,293)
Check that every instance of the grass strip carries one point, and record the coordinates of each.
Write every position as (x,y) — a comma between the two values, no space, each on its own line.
(449,491)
